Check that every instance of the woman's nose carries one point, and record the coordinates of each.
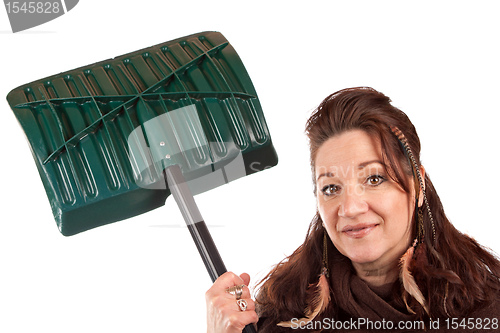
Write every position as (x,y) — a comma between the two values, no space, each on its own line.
(352,202)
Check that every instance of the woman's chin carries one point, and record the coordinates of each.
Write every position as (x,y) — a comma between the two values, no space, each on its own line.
(363,256)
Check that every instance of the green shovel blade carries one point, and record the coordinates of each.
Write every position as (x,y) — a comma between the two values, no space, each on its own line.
(101,134)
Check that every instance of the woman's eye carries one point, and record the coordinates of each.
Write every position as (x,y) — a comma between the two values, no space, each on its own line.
(329,190)
(375,180)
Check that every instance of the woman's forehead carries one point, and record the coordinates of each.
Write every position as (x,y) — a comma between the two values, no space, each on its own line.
(355,149)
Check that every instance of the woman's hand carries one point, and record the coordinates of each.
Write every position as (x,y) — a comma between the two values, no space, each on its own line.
(223,313)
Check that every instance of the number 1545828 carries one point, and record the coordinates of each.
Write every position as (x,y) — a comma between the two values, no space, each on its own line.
(33,7)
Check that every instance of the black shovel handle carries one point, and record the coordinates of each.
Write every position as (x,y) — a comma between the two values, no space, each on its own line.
(197,226)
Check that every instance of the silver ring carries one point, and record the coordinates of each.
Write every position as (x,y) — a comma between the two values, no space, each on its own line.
(242,304)
(236,291)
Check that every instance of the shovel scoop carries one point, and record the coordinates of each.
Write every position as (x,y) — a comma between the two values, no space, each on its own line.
(114,139)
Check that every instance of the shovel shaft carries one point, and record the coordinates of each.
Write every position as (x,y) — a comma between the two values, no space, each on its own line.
(199,231)
(208,251)
(197,227)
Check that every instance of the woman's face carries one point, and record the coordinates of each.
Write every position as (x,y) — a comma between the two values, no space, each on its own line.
(366,214)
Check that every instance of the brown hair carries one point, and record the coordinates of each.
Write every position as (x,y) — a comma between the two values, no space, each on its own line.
(455,274)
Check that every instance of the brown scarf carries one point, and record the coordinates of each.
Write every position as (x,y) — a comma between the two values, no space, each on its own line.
(356,299)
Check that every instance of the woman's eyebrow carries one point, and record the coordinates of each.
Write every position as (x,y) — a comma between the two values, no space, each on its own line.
(365,164)
(326,174)
(360,166)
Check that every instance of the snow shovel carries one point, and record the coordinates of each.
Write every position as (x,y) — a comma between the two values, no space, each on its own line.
(114,139)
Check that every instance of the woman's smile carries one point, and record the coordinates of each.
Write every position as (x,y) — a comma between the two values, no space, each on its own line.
(359,230)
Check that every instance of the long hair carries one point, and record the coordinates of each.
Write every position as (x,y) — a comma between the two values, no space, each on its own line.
(455,274)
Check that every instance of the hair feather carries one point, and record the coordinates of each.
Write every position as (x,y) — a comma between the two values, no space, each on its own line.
(408,280)
(318,304)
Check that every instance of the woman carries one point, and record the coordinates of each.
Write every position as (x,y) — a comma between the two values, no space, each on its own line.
(385,253)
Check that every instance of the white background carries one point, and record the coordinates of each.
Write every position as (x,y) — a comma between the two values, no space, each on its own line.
(437,60)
